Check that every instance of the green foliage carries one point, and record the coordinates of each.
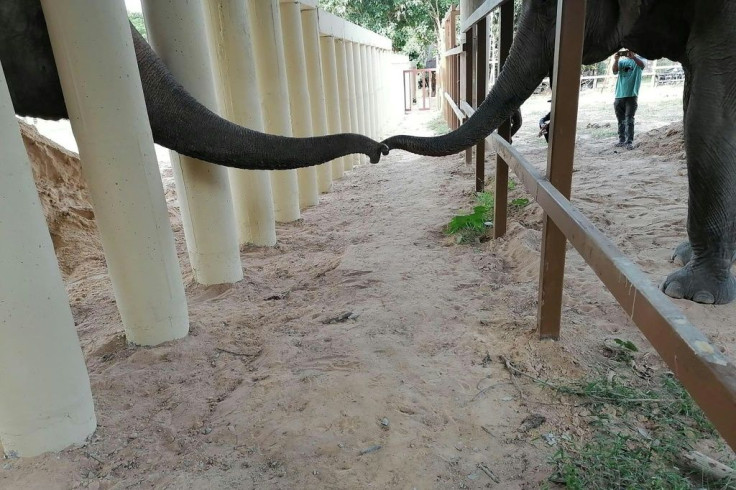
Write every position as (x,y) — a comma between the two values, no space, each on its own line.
(471,226)
(616,461)
(520,203)
(136,18)
(412,25)
(474,221)
(438,125)
(626,344)
(639,433)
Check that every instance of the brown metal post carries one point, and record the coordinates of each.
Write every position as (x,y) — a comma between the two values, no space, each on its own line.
(453,66)
(405,107)
(481,80)
(444,75)
(468,93)
(566,85)
(423,74)
(502,169)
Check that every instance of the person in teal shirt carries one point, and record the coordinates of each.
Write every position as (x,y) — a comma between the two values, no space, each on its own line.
(628,67)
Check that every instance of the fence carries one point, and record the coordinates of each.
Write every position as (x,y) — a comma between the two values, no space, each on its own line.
(425,80)
(314,74)
(707,375)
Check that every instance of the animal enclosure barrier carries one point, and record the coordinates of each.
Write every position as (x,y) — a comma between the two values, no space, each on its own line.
(706,374)
(423,80)
(46,403)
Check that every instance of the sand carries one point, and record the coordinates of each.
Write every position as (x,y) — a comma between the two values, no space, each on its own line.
(364,350)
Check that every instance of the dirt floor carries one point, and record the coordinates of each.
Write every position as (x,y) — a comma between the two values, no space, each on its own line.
(368,349)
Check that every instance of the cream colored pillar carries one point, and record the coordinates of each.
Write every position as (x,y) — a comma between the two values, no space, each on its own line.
(367,83)
(343,92)
(301,111)
(360,94)
(310,27)
(104,97)
(372,78)
(376,93)
(332,96)
(268,51)
(239,101)
(352,95)
(382,102)
(176,31)
(45,398)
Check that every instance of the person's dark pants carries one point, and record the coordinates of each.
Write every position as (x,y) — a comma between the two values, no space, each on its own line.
(625,108)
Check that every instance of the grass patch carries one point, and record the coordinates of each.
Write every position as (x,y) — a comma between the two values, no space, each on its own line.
(638,431)
(604,133)
(438,125)
(470,227)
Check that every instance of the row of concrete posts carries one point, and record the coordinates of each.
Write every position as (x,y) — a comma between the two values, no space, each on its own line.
(282,67)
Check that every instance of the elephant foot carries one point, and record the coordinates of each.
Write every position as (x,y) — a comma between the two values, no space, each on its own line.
(697,284)
(683,254)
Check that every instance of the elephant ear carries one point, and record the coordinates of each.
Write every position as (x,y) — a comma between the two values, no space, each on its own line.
(629,12)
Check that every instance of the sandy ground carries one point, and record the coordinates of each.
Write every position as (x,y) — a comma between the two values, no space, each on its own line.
(363,351)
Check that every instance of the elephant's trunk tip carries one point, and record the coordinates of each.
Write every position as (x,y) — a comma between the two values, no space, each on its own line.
(382,149)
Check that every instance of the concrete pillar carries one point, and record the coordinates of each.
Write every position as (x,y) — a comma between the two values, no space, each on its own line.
(352,95)
(268,50)
(367,84)
(104,97)
(384,101)
(370,87)
(377,92)
(45,398)
(176,31)
(310,27)
(359,74)
(343,92)
(239,101)
(301,110)
(332,96)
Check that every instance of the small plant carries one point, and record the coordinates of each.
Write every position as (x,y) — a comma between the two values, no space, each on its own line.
(438,125)
(639,435)
(471,226)
(520,203)
(474,221)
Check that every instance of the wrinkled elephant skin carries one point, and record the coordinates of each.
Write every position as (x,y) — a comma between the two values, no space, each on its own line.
(28,62)
(701,35)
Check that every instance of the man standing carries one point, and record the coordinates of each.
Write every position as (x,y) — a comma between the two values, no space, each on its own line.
(628,66)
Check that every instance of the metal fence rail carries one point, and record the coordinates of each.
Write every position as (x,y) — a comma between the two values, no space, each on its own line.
(707,375)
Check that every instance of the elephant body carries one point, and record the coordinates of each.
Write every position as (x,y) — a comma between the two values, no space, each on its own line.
(700,34)
(178,121)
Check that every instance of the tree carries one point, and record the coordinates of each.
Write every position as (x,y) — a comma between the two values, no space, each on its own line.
(412,25)
(136,18)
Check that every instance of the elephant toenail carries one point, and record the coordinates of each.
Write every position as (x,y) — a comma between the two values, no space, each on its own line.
(674,290)
(704,297)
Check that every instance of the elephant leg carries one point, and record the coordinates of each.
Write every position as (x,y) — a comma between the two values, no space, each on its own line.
(710,141)
(619,107)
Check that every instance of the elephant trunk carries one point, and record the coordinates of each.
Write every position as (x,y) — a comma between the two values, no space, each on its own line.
(182,124)
(524,70)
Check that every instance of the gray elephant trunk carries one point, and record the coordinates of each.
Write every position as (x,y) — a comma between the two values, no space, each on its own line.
(525,68)
(181,123)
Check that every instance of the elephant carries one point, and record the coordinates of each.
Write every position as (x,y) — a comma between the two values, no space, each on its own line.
(700,35)
(178,121)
